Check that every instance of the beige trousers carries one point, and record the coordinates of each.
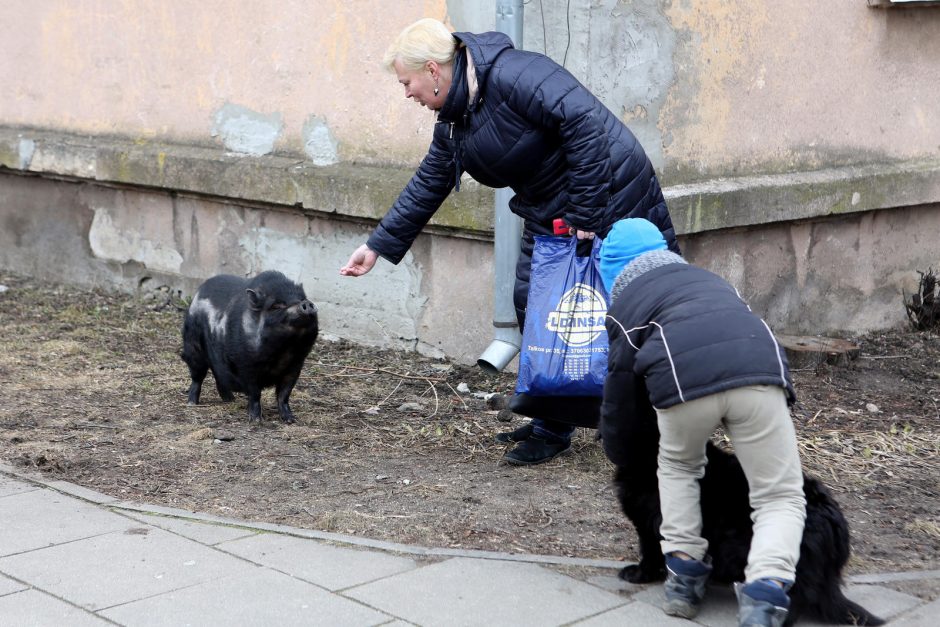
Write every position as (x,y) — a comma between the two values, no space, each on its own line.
(757,420)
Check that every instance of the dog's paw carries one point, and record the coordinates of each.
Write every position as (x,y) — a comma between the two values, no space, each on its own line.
(636,573)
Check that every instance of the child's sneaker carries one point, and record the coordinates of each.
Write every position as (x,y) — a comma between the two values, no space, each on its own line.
(762,603)
(685,585)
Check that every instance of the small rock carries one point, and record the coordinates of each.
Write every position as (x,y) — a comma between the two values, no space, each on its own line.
(410,407)
(495,401)
(504,415)
(200,434)
(372,411)
(224,436)
(3,288)
(871,407)
(463,388)
(381,477)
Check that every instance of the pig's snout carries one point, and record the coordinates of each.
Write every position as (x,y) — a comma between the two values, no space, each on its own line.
(307,308)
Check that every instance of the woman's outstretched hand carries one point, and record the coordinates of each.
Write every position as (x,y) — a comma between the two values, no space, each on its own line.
(360,262)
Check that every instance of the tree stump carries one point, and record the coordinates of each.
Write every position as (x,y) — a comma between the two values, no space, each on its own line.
(810,351)
(923,309)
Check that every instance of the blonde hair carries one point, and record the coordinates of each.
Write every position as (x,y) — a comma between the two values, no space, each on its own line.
(425,40)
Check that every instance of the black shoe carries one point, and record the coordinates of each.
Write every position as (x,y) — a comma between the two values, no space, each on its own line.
(536,450)
(520,434)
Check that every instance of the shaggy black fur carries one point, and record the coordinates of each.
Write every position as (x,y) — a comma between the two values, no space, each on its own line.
(727,527)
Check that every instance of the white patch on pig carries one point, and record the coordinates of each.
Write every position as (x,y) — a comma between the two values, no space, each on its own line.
(216,318)
(252,329)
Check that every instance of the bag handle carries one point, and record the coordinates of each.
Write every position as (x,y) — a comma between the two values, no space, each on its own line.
(584,249)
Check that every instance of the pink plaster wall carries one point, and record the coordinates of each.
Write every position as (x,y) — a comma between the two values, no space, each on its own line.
(156,69)
(789,84)
(763,85)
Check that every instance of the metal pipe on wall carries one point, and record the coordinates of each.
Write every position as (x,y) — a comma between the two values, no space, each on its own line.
(507,237)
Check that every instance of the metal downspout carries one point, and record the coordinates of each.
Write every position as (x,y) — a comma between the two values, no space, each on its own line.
(507,237)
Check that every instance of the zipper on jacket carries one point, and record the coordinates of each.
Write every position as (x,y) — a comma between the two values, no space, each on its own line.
(451,130)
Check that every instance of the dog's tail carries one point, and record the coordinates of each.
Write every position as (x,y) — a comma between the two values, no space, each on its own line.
(842,611)
(823,554)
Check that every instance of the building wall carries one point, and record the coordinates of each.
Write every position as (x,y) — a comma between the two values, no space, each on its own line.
(713,88)
(152,143)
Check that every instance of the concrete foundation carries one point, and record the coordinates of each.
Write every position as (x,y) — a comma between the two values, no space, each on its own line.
(437,301)
(829,275)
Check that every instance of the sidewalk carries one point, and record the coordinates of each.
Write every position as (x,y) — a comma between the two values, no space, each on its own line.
(70,556)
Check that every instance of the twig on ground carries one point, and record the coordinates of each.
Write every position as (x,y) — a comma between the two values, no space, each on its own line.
(436,401)
(370,371)
(379,404)
(457,395)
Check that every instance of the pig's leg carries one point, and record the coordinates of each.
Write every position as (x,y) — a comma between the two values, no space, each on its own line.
(284,387)
(195,389)
(197,372)
(254,404)
(224,393)
(195,357)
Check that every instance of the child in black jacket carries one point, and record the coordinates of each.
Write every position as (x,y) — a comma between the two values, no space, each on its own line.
(684,335)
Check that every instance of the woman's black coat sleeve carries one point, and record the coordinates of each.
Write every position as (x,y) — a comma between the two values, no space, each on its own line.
(423,196)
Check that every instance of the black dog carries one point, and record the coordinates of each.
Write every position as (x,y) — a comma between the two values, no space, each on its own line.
(727,527)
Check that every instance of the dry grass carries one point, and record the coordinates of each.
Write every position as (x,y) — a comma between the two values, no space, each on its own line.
(94,392)
(865,455)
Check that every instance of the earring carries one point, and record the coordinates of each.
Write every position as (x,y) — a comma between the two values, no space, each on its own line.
(436,88)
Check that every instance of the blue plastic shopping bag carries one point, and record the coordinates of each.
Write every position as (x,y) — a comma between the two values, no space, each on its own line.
(564,341)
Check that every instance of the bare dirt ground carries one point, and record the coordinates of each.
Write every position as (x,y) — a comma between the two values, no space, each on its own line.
(92,390)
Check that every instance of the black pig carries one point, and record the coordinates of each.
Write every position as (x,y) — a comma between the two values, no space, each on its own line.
(252,334)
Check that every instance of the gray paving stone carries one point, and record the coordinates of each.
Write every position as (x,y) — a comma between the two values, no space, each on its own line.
(206,533)
(262,597)
(39,518)
(32,608)
(10,486)
(462,591)
(719,609)
(120,567)
(332,567)
(911,575)
(613,583)
(8,586)
(81,492)
(924,616)
(635,613)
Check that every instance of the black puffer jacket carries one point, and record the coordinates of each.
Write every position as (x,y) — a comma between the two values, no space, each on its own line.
(678,332)
(532,127)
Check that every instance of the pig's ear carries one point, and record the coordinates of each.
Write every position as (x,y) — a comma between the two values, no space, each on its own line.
(255,299)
